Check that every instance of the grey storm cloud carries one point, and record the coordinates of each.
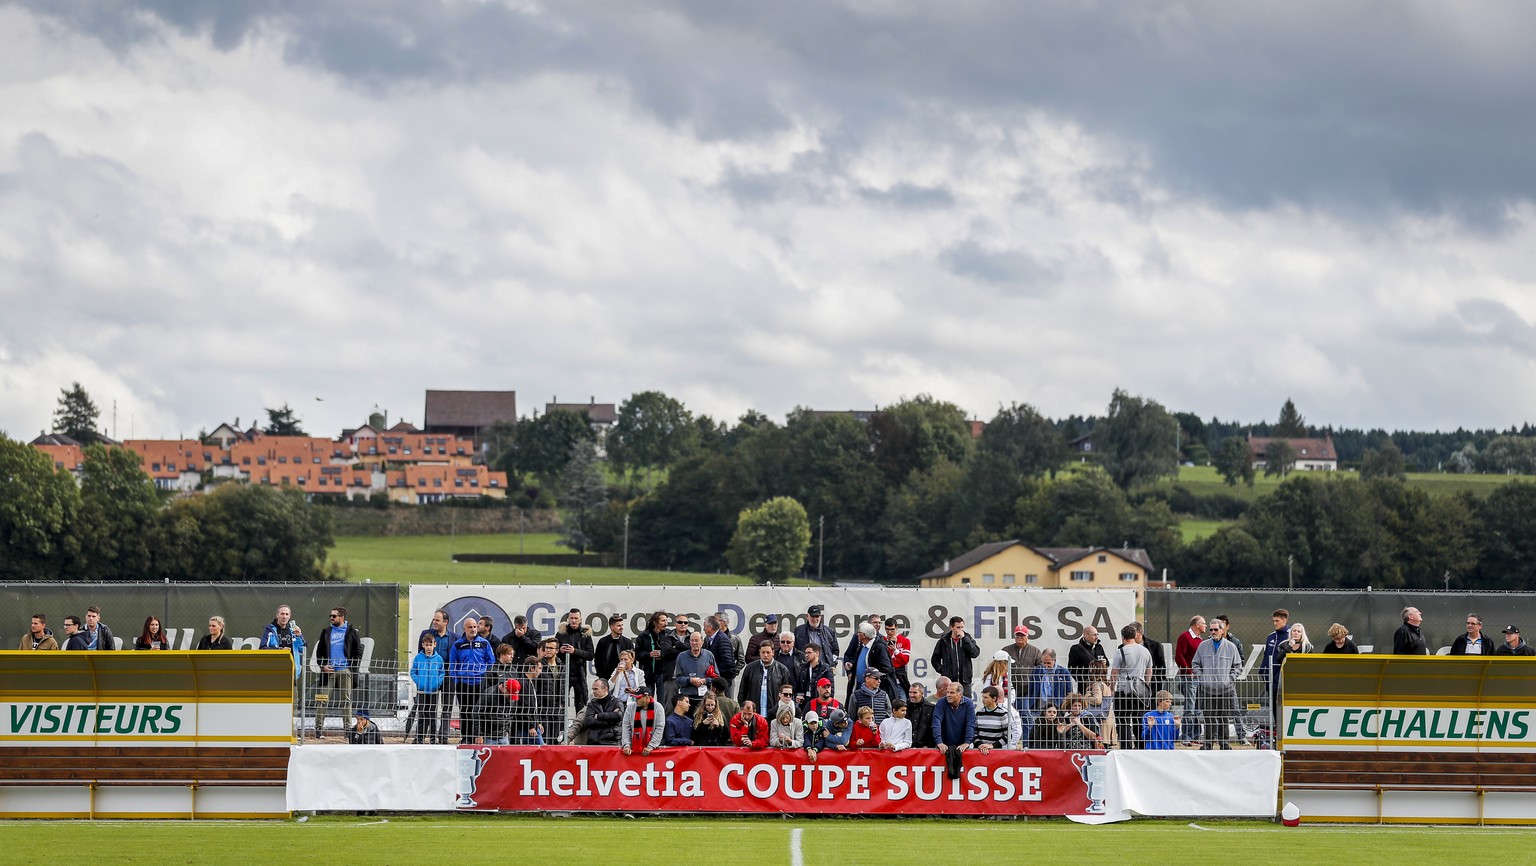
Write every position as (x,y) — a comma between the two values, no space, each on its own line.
(1337,105)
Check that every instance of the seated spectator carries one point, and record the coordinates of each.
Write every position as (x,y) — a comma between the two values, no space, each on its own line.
(920,714)
(748,729)
(1160,728)
(815,735)
(787,702)
(153,637)
(824,704)
(839,731)
(216,639)
(785,731)
(711,727)
(640,729)
(720,689)
(1079,730)
(74,638)
(866,734)
(363,731)
(996,727)
(679,727)
(1514,644)
(39,637)
(871,695)
(1047,731)
(599,722)
(896,732)
(1339,642)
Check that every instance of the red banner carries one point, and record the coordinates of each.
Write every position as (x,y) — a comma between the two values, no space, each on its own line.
(912,782)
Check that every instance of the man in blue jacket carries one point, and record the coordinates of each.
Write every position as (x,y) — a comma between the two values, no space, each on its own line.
(283,633)
(339,654)
(467,664)
(954,727)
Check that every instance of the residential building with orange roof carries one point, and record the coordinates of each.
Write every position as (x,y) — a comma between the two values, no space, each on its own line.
(66,458)
(421,484)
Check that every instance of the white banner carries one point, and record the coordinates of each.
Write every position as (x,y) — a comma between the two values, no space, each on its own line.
(398,778)
(1189,784)
(1055,617)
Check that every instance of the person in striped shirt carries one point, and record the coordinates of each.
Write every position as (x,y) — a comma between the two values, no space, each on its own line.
(996,728)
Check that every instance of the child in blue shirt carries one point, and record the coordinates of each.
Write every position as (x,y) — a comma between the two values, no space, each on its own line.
(427,672)
(1159,728)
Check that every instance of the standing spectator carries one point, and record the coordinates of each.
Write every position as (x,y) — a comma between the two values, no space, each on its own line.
(549,692)
(576,650)
(954,727)
(284,634)
(495,711)
(871,695)
(738,652)
(678,730)
(428,673)
(444,640)
(524,725)
(815,631)
(786,654)
(363,731)
(896,732)
(1295,642)
(638,730)
(338,653)
(1133,687)
(1514,645)
(920,716)
(996,726)
(1084,652)
(718,642)
(1280,619)
(999,674)
(155,637)
(470,658)
(785,731)
(695,668)
(900,648)
(1216,664)
(216,639)
(488,631)
(1023,658)
(38,637)
(1098,696)
(866,732)
(865,651)
(711,726)
(770,634)
(610,645)
(1339,641)
(74,638)
(525,640)
(656,651)
(1050,683)
(1154,649)
(1184,657)
(1160,728)
(808,674)
(627,679)
(748,729)
(1472,643)
(1409,639)
(761,680)
(97,635)
(952,655)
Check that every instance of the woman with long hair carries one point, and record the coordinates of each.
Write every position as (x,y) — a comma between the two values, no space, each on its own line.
(710,726)
(1097,696)
(154,636)
(997,676)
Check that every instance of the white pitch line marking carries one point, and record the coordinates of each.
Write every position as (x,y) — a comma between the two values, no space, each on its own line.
(795,857)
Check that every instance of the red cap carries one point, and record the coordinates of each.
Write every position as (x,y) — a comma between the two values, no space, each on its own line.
(823,682)
(514,689)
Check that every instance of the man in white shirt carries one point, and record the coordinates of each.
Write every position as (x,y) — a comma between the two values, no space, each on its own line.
(1132,672)
(1472,643)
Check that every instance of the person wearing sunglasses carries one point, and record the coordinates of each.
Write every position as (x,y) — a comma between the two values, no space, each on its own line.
(339,652)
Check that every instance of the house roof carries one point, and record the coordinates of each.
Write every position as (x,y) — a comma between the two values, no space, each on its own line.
(57,439)
(1059,557)
(597,413)
(1308,449)
(470,408)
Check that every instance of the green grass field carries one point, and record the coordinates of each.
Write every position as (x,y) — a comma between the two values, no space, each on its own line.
(376,841)
(1205,481)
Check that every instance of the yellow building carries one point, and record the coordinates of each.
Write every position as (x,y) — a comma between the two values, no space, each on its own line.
(1010,564)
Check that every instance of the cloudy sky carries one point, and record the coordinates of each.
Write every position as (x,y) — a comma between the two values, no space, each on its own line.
(207,208)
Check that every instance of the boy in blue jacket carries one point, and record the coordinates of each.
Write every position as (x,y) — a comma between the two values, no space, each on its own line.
(428,673)
(1159,728)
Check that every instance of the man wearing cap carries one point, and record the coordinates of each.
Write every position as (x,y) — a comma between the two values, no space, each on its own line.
(865,651)
(1023,658)
(816,631)
(871,695)
(823,704)
(807,673)
(639,730)
(610,645)
(1514,645)
(770,633)
(900,648)
(363,731)
(761,680)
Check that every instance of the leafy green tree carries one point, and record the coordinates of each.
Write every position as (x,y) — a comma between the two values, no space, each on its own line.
(1083,509)
(1138,440)
(652,431)
(771,540)
(1507,532)
(584,497)
(686,522)
(1234,461)
(1509,455)
(829,468)
(1290,425)
(1026,441)
(77,415)
(281,422)
(914,434)
(546,445)
(255,532)
(919,520)
(39,507)
(1384,463)
(1230,557)
(1279,457)
(500,443)
(118,511)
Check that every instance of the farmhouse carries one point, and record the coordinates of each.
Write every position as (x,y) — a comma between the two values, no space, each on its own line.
(1009,564)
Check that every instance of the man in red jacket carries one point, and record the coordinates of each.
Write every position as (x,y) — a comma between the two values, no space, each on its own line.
(748,729)
(1184,656)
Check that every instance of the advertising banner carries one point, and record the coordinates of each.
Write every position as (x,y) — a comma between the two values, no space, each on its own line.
(1055,617)
(513,779)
